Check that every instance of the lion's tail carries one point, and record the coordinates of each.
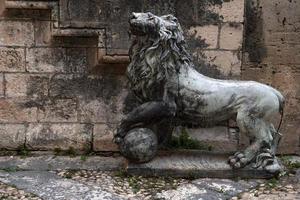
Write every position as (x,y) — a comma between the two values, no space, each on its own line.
(281,101)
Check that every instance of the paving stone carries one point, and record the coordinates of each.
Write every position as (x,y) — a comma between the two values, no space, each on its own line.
(49,186)
(212,189)
(50,162)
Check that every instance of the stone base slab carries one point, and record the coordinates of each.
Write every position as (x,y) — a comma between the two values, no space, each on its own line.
(193,164)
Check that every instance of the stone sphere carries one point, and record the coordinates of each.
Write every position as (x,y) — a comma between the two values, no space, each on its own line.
(139,145)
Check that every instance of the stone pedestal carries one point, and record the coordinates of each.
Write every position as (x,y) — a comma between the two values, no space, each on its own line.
(193,164)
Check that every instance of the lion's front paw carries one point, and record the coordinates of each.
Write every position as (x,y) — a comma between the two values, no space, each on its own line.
(238,160)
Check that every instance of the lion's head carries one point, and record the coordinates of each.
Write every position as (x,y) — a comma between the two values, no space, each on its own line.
(157,52)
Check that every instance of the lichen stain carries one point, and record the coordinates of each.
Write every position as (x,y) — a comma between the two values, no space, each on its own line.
(190,14)
(205,68)
(254,32)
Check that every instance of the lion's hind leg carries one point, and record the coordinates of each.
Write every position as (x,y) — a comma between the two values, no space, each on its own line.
(260,135)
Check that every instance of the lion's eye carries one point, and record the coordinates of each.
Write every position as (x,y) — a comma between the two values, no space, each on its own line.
(151,18)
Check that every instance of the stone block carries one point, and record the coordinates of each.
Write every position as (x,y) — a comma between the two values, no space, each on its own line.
(231,36)
(25,14)
(17,111)
(88,87)
(12,136)
(1,85)
(95,111)
(290,141)
(282,38)
(100,97)
(2,7)
(218,138)
(46,60)
(259,74)
(26,85)
(231,11)
(77,60)
(59,136)
(16,33)
(102,110)
(58,110)
(75,41)
(280,16)
(103,138)
(282,54)
(42,33)
(203,36)
(71,60)
(12,59)
(227,63)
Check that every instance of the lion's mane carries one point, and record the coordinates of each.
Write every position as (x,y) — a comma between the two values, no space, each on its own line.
(155,59)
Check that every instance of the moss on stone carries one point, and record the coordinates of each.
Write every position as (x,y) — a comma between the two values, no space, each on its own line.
(184,141)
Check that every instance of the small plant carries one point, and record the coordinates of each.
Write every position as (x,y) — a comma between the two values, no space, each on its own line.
(23,151)
(272,183)
(121,173)
(133,183)
(11,169)
(184,141)
(290,164)
(83,158)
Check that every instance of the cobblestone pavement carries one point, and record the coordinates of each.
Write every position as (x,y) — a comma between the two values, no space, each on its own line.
(136,187)
(10,193)
(287,188)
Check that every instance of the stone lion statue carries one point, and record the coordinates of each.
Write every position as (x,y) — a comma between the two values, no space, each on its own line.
(163,77)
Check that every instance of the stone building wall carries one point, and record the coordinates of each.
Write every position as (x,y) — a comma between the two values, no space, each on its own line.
(62,66)
(272,56)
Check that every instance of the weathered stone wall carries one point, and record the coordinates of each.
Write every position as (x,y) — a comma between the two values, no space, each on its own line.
(272,56)
(62,65)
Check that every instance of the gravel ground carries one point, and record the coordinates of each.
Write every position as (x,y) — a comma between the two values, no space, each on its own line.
(129,187)
(287,188)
